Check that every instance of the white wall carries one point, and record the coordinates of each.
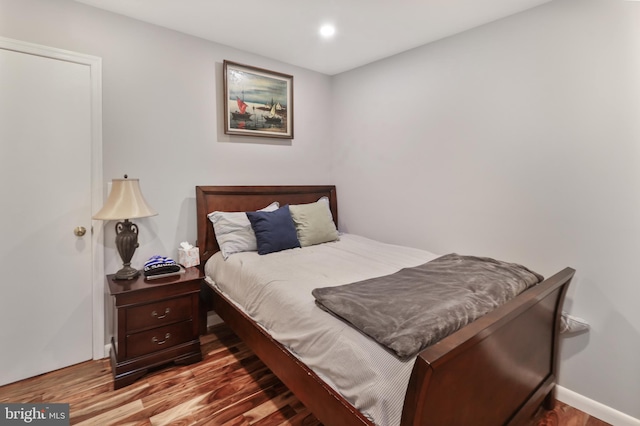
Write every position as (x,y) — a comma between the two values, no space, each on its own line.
(519,140)
(162,115)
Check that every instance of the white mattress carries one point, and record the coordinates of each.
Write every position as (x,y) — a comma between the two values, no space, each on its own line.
(275,290)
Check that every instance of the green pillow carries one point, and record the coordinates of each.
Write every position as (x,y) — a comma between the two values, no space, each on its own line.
(314,223)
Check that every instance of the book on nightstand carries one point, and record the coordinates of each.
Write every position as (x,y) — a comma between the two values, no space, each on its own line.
(167,274)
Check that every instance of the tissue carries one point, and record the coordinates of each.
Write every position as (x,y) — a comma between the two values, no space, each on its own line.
(188,255)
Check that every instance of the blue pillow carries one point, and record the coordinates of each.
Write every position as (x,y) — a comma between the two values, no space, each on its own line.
(275,231)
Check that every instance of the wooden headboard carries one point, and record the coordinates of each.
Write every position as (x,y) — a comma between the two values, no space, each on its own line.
(250,198)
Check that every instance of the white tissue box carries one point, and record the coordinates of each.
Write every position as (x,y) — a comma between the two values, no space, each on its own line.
(188,257)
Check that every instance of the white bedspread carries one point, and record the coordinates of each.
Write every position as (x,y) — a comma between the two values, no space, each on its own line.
(275,290)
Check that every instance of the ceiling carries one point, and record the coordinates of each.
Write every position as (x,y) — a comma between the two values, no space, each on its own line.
(288,30)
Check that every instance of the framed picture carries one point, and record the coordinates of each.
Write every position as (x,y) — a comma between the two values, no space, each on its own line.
(257,102)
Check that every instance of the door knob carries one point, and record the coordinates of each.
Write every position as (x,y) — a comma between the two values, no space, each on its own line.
(80,231)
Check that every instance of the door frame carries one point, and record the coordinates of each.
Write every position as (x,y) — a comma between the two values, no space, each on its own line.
(97,197)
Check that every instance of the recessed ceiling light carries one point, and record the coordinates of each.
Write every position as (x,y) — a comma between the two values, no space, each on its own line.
(327,30)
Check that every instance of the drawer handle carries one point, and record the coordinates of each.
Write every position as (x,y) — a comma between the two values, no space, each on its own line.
(155,340)
(166,312)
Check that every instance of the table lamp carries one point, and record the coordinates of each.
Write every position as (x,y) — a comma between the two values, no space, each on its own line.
(125,202)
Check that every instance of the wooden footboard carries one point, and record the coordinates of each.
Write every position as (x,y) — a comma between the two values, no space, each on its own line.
(495,371)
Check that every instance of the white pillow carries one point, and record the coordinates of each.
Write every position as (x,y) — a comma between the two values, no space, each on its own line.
(233,230)
(314,222)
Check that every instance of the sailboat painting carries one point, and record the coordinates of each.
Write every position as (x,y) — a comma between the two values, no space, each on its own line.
(257,102)
(241,115)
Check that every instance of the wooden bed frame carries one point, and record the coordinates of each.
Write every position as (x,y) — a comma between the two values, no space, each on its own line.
(498,370)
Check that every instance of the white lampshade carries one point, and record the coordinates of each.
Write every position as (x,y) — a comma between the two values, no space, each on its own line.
(125,202)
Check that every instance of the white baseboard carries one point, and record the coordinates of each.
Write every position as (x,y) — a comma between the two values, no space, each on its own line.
(594,408)
(213,319)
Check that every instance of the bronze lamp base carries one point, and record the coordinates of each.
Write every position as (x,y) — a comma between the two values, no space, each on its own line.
(126,243)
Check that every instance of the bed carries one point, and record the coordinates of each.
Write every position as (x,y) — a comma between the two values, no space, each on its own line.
(500,369)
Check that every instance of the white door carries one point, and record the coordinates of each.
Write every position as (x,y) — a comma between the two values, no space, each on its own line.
(46,279)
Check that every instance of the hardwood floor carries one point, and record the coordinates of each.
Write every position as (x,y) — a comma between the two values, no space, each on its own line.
(231,386)
(568,416)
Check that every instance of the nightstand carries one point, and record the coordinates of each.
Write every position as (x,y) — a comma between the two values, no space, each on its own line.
(156,322)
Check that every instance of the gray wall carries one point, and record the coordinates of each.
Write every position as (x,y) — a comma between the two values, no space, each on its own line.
(162,119)
(520,140)
(517,140)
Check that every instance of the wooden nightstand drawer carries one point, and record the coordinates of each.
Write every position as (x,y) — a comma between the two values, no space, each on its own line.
(159,313)
(157,339)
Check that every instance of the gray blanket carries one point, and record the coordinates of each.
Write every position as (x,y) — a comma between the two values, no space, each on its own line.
(416,307)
